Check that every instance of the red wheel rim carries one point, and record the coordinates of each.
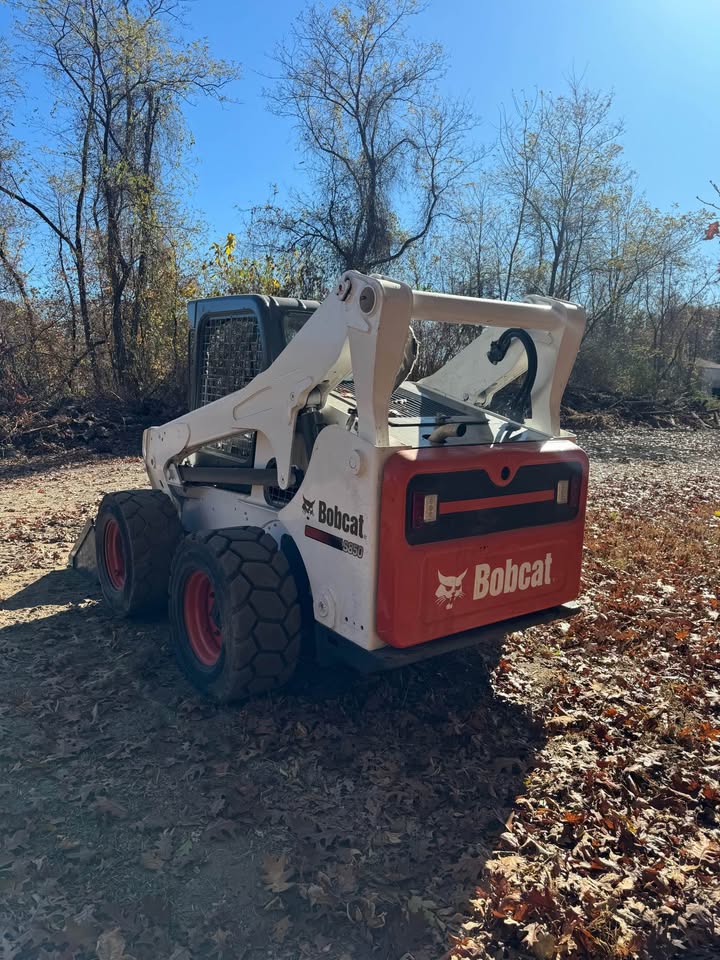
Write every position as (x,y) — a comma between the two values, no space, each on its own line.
(114,555)
(202,618)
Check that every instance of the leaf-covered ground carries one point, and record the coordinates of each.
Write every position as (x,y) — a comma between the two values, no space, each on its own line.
(554,796)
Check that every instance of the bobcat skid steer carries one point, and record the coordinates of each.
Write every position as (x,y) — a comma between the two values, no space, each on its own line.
(314,496)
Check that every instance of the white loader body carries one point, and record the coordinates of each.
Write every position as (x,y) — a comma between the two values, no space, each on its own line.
(334,517)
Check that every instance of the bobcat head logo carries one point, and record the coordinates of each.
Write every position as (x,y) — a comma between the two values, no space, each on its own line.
(308,507)
(449,590)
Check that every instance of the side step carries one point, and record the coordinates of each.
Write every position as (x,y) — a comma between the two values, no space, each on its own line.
(82,555)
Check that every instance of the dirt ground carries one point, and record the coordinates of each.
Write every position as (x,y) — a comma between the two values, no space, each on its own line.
(552,796)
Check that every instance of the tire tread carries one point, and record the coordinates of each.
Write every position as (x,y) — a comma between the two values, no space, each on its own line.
(260,592)
(153,529)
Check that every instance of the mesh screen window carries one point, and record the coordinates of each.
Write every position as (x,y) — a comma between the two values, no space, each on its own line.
(229,356)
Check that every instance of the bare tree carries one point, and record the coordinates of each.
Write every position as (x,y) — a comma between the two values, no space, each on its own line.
(384,151)
(560,167)
(519,171)
(120,75)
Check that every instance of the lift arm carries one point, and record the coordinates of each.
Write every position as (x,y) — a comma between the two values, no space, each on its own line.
(361,328)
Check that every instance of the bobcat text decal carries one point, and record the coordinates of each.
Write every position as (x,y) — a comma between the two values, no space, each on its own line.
(335,517)
(493,581)
(511,577)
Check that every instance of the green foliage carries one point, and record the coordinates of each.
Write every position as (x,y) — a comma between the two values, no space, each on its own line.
(281,275)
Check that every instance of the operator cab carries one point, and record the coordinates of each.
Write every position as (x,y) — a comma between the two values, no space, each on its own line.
(232,340)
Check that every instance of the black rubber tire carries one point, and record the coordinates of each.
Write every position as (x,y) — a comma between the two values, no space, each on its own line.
(150,530)
(256,609)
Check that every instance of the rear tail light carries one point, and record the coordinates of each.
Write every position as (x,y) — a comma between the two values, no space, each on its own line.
(567,492)
(424,508)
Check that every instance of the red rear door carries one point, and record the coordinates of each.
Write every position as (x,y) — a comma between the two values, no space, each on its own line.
(471,535)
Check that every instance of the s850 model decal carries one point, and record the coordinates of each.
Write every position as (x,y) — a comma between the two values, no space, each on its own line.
(347,546)
(354,549)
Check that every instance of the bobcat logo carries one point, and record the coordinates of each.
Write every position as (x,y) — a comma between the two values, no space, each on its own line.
(308,507)
(449,590)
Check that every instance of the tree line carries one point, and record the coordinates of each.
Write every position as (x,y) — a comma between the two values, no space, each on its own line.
(395,183)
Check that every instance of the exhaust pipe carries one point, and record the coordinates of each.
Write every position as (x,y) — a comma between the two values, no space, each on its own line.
(445,431)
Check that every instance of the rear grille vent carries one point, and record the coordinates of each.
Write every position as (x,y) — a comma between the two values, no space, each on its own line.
(408,405)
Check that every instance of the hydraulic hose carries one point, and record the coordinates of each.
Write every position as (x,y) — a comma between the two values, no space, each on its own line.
(496,353)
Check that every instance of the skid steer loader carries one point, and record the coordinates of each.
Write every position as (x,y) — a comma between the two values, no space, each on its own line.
(315,496)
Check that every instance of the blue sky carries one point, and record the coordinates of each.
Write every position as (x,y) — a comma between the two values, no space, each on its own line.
(659,56)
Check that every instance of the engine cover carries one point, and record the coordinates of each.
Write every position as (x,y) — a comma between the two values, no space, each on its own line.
(472,535)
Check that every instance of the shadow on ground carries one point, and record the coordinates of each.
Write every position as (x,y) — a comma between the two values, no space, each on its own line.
(56,588)
(351,818)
